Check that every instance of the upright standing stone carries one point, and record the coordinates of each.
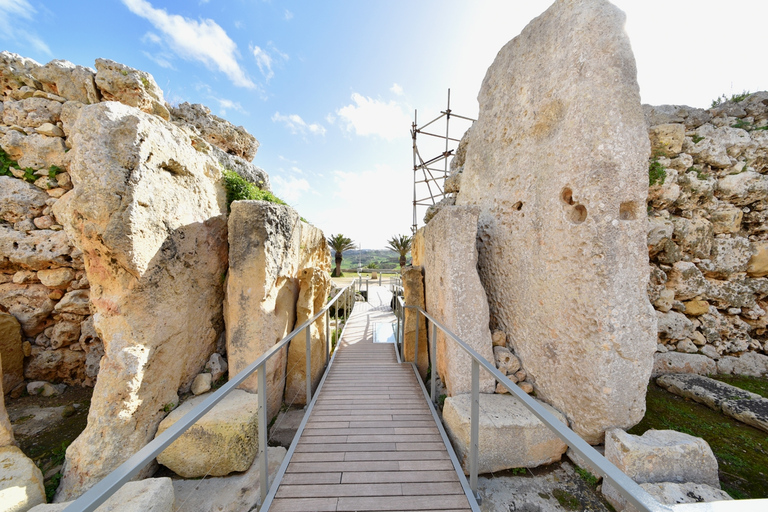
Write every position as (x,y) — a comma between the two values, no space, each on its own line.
(260,307)
(149,214)
(558,165)
(455,296)
(314,284)
(11,352)
(413,290)
(6,431)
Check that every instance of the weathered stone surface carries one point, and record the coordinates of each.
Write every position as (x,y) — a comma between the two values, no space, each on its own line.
(671,493)
(678,362)
(29,303)
(76,302)
(57,277)
(118,82)
(148,213)
(21,485)
(728,256)
(667,139)
(217,365)
(201,384)
(11,352)
(31,112)
(750,363)
(6,430)
(314,251)
(758,264)
(573,297)
(502,418)
(36,151)
(224,440)
(413,291)
(260,306)
(314,284)
(673,325)
(68,80)
(727,220)
(662,456)
(234,140)
(234,493)
(20,200)
(62,365)
(743,188)
(752,412)
(16,72)
(709,392)
(455,295)
(150,495)
(38,249)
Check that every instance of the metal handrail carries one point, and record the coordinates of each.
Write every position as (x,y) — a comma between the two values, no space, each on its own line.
(628,488)
(107,486)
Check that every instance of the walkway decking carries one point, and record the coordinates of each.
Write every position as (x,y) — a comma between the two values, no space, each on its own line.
(371,442)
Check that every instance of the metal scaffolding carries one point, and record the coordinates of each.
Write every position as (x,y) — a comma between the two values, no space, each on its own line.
(428,177)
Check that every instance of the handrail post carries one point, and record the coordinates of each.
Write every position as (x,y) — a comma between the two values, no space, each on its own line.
(308,375)
(433,360)
(263,426)
(397,332)
(327,336)
(474,421)
(416,341)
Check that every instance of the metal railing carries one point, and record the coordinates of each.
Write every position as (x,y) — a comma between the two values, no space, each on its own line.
(102,490)
(628,488)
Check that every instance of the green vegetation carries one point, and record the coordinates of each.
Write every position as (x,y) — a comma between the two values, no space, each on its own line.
(746,125)
(587,476)
(339,243)
(656,173)
(238,189)
(741,450)
(401,244)
(7,163)
(145,82)
(697,138)
(372,265)
(699,173)
(753,384)
(441,400)
(169,407)
(735,98)
(518,471)
(383,258)
(566,500)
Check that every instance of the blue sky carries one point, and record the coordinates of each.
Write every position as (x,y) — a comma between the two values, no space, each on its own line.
(329,88)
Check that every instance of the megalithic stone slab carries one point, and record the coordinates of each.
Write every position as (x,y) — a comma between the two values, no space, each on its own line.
(455,296)
(557,164)
(413,291)
(262,289)
(148,212)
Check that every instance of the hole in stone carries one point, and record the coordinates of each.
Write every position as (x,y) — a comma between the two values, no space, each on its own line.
(567,195)
(628,210)
(518,205)
(578,214)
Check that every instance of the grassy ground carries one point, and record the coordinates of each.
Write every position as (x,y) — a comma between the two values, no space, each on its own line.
(753,384)
(741,450)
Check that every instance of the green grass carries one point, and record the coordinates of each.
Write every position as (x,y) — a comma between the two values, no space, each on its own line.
(754,384)
(238,189)
(587,476)
(741,450)
(697,138)
(735,98)
(656,173)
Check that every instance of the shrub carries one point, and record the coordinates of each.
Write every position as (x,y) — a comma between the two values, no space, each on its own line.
(656,173)
(238,189)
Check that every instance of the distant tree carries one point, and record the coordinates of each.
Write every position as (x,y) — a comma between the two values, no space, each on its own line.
(339,243)
(401,244)
(373,265)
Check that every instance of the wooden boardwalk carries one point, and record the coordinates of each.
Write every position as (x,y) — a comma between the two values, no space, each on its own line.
(371,442)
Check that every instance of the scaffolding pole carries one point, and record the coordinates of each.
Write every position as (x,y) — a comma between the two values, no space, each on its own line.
(428,178)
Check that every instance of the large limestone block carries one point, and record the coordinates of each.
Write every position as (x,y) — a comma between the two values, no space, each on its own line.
(16,72)
(118,82)
(233,493)
(29,304)
(11,353)
(232,139)
(314,285)
(61,77)
(6,430)
(456,297)
(224,440)
(36,151)
(557,162)
(314,250)
(262,289)
(31,112)
(679,362)
(150,495)
(21,482)
(667,139)
(59,365)
(20,200)
(413,290)
(662,456)
(149,214)
(510,436)
(35,250)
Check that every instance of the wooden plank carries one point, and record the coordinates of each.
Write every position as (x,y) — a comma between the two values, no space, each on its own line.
(311,478)
(361,477)
(432,455)
(331,467)
(304,505)
(431,502)
(339,490)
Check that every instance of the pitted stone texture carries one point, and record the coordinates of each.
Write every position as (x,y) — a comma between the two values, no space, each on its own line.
(11,352)
(60,365)
(118,82)
(149,214)
(224,440)
(20,200)
(21,482)
(667,139)
(31,112)
(709,392)
(413,290)
(29,304)
(35,250)
(502,419)
(232,139)
(562,232)
(61,77)
(314,284)
(678,362)
(662,456)
(35,151)
(16,72)
(262,289)
(244,168)
(455,296)
(150,495)
(749,363)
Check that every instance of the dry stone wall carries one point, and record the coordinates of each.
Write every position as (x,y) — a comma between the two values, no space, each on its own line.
(708,236)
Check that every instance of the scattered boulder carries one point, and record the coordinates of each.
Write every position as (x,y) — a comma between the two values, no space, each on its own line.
(567,171)
(201,384)
(224,440)
(149,495)
(502,418)
(21,485)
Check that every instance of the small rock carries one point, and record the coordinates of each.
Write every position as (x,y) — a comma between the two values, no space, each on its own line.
(506,361)
(499,339)
(679,362)
(696,307)
(520,375)
(50,130)
(36,387)
(217,366)
(661,348)
(56,294)
(710,351)
(24,277)
(44,222)
(501,389)
(69,410)
(526,387)
(56,192)
(687,346)
(56,278)
(201,384)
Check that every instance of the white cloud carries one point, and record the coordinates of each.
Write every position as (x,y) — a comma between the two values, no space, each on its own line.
(225,104)
(203,40)
(397,89)
(288,15)
(289,190)
(264,61)
(14,15)
(375,117)
(297,125)
(161,59)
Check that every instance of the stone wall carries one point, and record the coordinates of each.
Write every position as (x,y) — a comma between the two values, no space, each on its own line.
(708,236)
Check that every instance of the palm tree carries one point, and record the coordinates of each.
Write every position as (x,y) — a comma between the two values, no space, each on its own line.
(400,244)
(339,243)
